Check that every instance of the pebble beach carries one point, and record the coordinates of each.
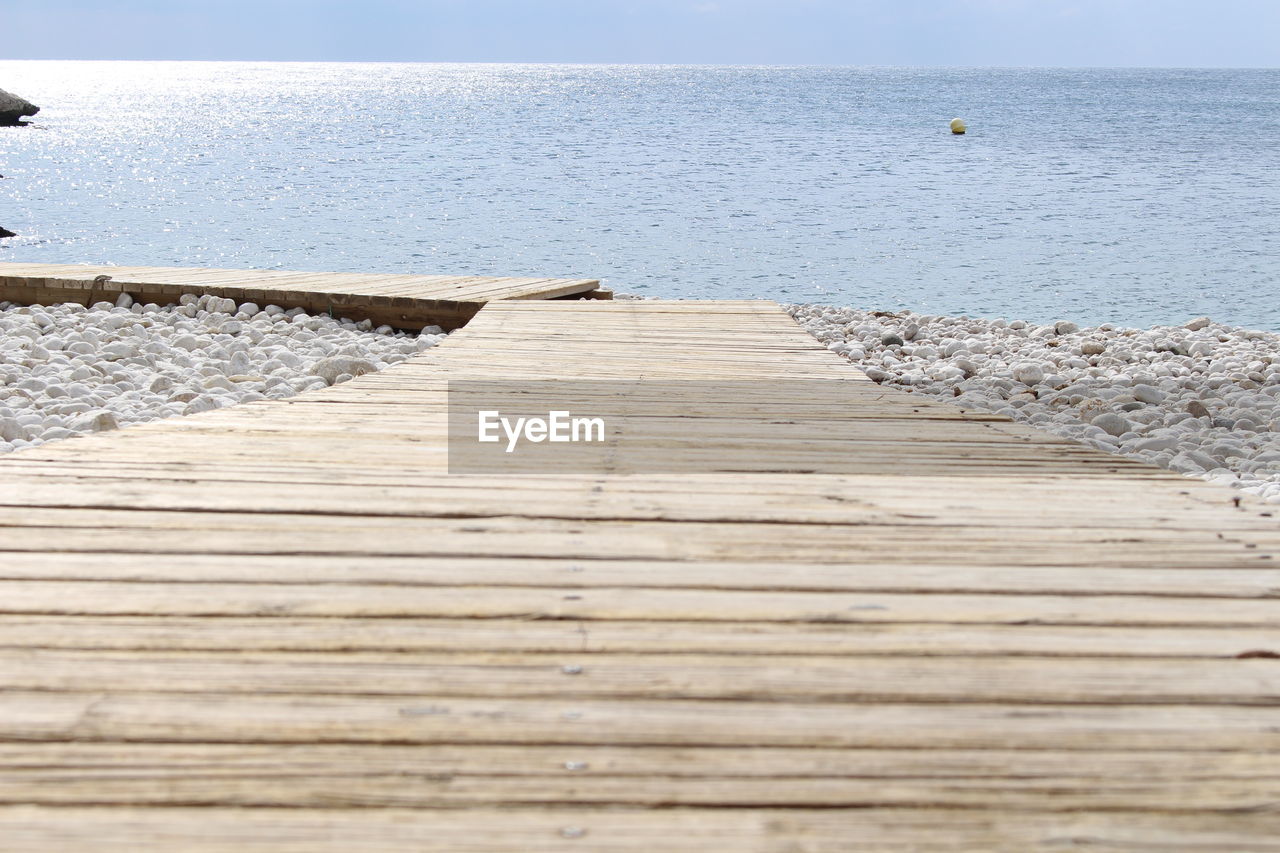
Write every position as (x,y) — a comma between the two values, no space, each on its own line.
(67,369)
(1201,399)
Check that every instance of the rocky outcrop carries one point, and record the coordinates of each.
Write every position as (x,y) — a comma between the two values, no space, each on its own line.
(13,108)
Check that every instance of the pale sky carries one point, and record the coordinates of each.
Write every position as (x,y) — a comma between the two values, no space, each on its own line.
(785,32)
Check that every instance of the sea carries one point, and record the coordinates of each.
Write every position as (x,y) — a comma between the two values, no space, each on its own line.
(1130,196)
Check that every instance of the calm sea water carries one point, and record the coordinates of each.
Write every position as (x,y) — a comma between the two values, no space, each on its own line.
(1132,196)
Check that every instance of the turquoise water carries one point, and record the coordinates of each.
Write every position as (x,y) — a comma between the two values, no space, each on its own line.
(1130,196)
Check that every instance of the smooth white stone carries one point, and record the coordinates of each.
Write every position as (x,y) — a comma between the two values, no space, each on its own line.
(10,430)
(202,403)
(1148,394)
(1111,423)
(1028,373)
(1155,443)
(330,369)
(96,422)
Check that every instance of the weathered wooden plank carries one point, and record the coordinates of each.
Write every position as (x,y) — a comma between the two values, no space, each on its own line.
(557,829)
(425,718)
(373,776)
(285,533)
(855,499)
(202,598)
(208,280)
(167,760)
(355,776)
(921,578)
(796,678)
(770,639)
(405,301)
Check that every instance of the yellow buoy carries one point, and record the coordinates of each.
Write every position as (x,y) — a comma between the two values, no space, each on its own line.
(957,126)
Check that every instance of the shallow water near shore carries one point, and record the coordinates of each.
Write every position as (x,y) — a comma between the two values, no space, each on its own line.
(1137,197)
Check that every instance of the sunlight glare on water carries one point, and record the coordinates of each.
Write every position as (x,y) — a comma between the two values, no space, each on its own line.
(1131,196)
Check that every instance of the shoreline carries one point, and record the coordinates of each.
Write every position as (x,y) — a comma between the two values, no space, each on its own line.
(1201,399)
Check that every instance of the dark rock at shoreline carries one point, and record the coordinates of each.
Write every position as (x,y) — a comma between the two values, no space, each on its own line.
(13,108)
(5,232)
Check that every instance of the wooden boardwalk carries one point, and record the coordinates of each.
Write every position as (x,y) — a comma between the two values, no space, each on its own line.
(284,626)
(402,301)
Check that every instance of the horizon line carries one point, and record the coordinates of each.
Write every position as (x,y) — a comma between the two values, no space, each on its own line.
(658,64)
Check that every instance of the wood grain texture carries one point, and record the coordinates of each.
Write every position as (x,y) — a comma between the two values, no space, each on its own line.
(561,828)
(286,626)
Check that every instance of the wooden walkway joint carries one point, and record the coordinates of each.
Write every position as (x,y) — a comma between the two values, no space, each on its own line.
(400,301)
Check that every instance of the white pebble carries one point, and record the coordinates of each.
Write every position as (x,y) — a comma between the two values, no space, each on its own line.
(1202,399)
(332,369)
(1028,373)
(66,370)
(1147,394)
